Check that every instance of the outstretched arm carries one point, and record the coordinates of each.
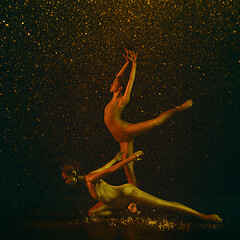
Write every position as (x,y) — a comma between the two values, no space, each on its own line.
(104,172)
(126,97)
(122,71)
(116,159)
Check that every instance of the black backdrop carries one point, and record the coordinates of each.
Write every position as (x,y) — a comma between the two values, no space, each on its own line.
(58,59)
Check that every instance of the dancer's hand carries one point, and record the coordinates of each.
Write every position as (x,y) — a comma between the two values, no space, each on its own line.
(118,157)
(133,208)
(133,56)
(126,57)
(138,154)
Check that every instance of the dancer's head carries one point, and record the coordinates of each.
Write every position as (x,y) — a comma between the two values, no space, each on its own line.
(119,84)
(70,174)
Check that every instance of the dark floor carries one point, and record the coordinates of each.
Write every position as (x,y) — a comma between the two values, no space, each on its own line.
(146,225)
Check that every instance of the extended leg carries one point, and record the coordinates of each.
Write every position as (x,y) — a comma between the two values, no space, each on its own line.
(139,196)
(134,130)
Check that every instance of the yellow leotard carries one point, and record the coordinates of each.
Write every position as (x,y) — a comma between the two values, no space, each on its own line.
(110,195)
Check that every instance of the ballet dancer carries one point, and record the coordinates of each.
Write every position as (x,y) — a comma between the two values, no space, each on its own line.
(112,199)
(125,132)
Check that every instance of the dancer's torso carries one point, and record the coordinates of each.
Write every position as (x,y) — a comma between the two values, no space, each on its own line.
(112,119)
(109,194)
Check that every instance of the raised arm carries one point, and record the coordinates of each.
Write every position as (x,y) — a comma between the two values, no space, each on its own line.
(104,172)
(122,71)
(126,97)
(116,159)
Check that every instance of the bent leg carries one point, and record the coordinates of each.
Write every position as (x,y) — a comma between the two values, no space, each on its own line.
(134,130)
(100,209)
(139,196)
(127,149)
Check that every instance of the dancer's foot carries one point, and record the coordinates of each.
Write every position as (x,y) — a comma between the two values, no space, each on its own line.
(165,115)
(212,218)
(215,218)
(132,207)
(186,105)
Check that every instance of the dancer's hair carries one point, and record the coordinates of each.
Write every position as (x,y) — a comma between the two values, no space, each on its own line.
(123,81)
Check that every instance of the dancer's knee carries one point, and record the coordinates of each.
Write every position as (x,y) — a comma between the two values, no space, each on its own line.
(91,213)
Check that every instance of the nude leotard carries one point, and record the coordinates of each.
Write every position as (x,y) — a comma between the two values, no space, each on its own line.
(112,119)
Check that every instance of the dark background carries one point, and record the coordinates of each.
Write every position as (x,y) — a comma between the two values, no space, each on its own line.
(58,59)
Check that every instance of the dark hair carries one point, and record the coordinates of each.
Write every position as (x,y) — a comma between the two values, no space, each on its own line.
(123,81)
(68,169)
(70,165)
(73,173)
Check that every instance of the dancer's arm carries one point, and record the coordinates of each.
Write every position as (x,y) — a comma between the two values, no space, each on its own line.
(126,97)
(122,71)
(104,172)
(116,159)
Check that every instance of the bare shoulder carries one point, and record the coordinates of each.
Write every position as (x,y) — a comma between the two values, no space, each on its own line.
(89,178)
(122,102)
